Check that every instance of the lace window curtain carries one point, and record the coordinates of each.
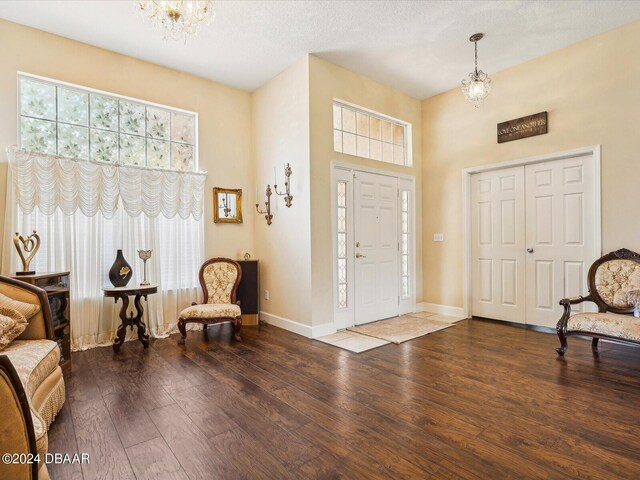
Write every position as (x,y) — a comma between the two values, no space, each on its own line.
(84,211)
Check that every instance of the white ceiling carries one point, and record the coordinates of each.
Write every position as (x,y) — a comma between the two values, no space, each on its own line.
(418,47)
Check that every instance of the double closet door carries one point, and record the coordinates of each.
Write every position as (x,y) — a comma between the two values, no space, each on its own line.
(533,239)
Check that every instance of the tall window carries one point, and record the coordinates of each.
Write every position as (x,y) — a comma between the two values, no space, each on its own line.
(367,134)
(86,210)
(77,122)
(404,242)
(342,243)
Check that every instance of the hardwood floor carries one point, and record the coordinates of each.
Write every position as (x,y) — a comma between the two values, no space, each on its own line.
(479,400)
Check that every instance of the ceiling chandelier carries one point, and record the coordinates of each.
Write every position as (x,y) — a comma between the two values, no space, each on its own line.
(178,18)
(478,85)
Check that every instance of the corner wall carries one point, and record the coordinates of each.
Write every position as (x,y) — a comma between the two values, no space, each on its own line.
(280,134)
(592,94)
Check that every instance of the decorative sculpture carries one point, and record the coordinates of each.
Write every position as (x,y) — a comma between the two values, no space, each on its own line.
(30,246)
(120,272)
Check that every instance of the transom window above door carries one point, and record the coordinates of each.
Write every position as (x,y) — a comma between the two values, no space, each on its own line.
(77,122)
(368,134)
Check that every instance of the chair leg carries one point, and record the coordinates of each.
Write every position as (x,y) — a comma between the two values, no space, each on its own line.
(204,327)
(237,325)
(594,345)
(563,343)
(183,331)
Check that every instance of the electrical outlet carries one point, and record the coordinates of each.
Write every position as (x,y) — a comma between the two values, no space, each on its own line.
(266,295)
(438,237)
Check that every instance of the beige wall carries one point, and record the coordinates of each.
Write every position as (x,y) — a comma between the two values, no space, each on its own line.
(328,81)
(224,114)
(592,94)
(280,134)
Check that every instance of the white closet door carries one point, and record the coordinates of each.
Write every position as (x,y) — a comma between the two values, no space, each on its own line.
(560,226)
(376,235)
(498,245)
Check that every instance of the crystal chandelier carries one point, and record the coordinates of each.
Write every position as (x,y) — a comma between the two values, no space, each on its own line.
(177,18)
(478,85)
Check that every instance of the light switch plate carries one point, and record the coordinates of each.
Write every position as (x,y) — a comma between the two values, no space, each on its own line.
(438,237)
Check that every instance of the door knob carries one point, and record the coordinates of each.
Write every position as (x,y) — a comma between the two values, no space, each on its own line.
(359,255)
(530,250)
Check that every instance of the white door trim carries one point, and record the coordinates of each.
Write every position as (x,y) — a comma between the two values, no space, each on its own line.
(343,318)
(592,151)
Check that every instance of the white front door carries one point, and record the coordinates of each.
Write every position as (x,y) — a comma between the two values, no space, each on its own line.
(376,247)
(560,234)
(498,246)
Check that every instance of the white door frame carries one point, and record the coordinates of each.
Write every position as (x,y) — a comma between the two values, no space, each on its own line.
(343,318)
(592,151)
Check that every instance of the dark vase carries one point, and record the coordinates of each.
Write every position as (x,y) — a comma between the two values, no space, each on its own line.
(120,272)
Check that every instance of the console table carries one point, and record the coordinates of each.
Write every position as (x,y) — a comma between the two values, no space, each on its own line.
(248,292)
(124,293)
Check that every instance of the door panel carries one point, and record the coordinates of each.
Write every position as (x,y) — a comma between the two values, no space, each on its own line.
(498,259)
(376,236)
(560,234)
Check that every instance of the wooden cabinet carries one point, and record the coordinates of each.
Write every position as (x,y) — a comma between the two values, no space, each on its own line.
(56,285)
(249,292)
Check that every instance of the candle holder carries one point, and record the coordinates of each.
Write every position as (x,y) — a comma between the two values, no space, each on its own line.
(288,198)
(144,256)
(267,213)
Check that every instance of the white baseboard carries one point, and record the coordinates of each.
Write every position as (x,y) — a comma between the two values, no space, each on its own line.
(297,327)
(440,309)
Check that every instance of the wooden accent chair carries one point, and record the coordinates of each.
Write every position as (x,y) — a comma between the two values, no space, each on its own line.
(16,426)
(219,278)
(613,280)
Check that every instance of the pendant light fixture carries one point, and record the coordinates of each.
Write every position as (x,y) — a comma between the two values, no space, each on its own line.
(478,85)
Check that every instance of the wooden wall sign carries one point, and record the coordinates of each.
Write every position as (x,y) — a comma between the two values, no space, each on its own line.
(524,127)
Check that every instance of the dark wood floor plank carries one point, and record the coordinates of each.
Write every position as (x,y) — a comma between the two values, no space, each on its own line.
(199,458)
(154,460)
(130,418)
(479,400)
(62,437)
(97,436)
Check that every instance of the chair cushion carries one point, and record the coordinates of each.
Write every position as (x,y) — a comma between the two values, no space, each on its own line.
(211,311)
(620,326)
(34,360)
(615,279)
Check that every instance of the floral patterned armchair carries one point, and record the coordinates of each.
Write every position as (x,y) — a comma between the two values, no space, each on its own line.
(219,278)
(614,282)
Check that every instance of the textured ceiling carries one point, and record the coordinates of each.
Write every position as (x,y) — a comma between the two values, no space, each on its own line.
(420,48)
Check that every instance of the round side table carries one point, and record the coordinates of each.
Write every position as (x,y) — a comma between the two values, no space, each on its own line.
(124,293)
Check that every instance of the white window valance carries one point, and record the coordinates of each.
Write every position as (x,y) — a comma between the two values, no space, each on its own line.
(50,182)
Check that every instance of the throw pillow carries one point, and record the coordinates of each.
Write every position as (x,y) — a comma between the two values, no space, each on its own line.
(26,309)
(10,329)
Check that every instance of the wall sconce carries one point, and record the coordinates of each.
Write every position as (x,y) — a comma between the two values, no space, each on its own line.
(288,198)
(267,213)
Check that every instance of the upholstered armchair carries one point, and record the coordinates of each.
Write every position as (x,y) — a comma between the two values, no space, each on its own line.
(219,278)
(613,282)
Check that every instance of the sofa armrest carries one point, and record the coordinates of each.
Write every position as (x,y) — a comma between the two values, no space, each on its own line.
(40,325)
